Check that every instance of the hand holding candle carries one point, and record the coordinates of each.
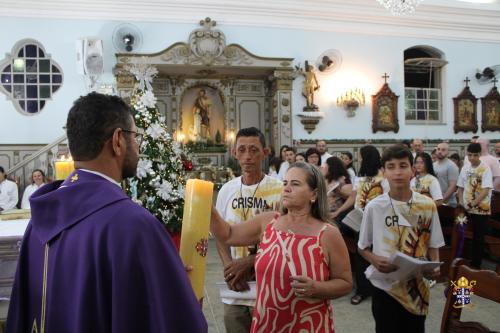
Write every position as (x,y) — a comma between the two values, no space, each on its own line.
(195,225)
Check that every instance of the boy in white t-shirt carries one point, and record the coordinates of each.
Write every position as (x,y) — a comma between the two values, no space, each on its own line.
(475,183)
(404,221)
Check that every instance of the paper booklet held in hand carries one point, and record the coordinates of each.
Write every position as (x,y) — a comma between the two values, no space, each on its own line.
(353,219)
(408,267)
(225,292)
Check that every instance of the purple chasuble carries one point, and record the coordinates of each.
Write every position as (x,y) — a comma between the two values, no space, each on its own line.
(94,261)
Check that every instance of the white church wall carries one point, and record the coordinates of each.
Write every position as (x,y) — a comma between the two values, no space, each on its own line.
(365,59)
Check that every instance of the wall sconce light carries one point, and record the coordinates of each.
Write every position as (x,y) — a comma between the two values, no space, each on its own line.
(230,136)
(351,100)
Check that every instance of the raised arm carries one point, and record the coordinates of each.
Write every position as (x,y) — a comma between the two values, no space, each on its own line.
(241,234)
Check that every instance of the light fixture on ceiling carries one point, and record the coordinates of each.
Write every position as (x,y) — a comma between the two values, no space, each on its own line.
(400,7)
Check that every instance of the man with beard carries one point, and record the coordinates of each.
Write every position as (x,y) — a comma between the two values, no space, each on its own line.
(447,174)
(91,259)
(322,148)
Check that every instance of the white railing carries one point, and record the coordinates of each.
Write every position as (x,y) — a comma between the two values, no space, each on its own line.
(43,159)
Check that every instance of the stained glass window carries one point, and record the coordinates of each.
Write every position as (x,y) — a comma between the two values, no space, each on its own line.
(29,77)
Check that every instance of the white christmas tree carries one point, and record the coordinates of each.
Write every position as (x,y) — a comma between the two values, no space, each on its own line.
(161,171)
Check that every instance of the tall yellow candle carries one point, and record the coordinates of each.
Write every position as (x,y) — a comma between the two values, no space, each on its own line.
(195,226)
(64,167)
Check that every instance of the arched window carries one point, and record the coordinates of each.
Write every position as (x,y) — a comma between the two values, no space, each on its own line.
(423,65)
(29,77)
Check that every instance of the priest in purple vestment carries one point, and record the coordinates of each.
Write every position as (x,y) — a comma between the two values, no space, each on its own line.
(91,259)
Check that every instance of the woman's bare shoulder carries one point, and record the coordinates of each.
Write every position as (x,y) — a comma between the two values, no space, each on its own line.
(331,233)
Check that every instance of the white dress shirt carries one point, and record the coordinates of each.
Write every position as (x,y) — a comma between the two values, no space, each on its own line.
(8,194)
(28,191)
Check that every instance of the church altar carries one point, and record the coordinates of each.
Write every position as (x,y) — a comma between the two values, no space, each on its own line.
(11,234)
(12,228)
(15,214)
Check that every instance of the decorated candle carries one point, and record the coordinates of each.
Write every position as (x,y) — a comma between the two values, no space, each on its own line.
(64,167)
(195,226)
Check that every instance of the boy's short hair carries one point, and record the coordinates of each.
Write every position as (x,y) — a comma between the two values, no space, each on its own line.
(290,149)
(474,148)
(398,151)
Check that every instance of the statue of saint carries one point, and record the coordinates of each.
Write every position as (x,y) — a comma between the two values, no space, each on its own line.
(310,86)
(201,120)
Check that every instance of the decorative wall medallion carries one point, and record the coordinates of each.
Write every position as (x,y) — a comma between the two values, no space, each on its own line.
(202,247)
(205,43)
(207,46)
(285,118)
(285,102)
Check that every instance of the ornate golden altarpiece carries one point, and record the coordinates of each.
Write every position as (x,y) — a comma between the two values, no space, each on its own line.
(253,90)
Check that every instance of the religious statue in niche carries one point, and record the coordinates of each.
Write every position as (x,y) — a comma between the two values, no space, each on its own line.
(491,110)
(202,113)
(465,109)
(201,120)
(310,86)
(385,109)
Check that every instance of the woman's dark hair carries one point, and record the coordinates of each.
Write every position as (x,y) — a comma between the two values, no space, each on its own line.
(91,122)
(316,182)
(407,143)
(43,174)
(427,162)
(370,161)
(397,151)
(456,157)
(276,163)
(351,165)
(301,154)
(312,151)
(336,169)
(282,149)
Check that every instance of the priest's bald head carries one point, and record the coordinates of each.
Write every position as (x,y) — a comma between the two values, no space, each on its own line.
(101,135)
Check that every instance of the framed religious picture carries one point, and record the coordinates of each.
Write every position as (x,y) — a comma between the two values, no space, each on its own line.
(490,107)
(385,110)
(465,110)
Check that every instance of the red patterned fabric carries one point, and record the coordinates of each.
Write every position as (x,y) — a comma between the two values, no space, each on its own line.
(277,309)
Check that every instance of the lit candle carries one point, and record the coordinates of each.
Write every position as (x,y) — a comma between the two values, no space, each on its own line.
(195,226)
(64,167)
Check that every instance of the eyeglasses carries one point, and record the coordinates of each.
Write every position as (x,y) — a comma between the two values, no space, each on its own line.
(137,136)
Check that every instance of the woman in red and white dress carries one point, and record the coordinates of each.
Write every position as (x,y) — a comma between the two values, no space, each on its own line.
(302,262)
